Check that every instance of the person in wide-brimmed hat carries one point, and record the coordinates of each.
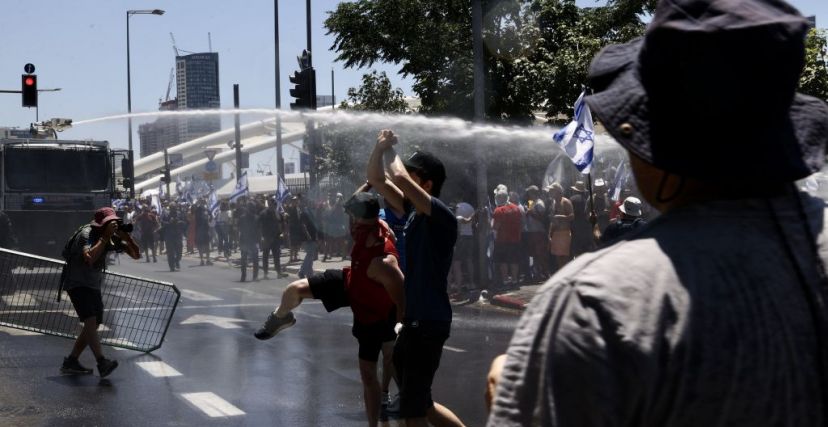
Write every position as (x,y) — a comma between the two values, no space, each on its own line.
(712,314)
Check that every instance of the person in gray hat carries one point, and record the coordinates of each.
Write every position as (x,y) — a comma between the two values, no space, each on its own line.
(714,313)
(629,220)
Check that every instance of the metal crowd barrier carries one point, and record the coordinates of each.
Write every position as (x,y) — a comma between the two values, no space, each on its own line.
(137,311)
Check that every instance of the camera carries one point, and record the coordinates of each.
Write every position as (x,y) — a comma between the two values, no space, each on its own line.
(126,228)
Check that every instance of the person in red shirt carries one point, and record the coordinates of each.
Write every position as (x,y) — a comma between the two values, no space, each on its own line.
(506,221)
(372,286)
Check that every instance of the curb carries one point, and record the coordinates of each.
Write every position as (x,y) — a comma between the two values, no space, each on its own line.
(508,301)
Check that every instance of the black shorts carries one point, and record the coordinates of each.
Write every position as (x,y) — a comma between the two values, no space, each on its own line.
(417,355)
(371,337)
(329,286)
(464,248)
(87,302)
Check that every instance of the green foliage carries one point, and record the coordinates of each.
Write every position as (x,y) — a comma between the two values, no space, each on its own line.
(375,94)
(537,52)
(814,80)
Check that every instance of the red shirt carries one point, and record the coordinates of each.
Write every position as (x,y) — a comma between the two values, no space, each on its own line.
(507,219)
(370,301)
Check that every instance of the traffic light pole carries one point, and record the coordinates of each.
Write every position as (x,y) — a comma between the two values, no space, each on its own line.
(238,132)
(280,161)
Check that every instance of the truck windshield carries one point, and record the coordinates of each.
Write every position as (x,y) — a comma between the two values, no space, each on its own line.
(66,170)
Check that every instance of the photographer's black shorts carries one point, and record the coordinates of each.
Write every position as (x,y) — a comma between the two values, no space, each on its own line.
(87,302)
(329,287)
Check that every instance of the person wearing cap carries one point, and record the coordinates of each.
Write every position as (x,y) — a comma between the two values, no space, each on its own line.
(601,204)
(713,314)
(507,224)
(536,230)
(86,264)
(582,236)
(431,234)
(372,286)
(629,221)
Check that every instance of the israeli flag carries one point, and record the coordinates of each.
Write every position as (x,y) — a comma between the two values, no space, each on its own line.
(282,192)
(241,187)
(214,203)
(578,137)
(620,180)
(156,203)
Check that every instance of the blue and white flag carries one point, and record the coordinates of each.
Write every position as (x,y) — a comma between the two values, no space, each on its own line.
(156,203)
(179,186)
(578,137)
(241,187)
(214,203)
(620,180)
(282,192)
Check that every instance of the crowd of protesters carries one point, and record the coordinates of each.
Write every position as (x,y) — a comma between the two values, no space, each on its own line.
(257,227)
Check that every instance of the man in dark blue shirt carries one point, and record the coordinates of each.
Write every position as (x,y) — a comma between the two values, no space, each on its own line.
(430,233)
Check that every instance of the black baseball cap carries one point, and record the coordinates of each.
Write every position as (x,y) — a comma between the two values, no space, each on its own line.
(363,205)
(427,166)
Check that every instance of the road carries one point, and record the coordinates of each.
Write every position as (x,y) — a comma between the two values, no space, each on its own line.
(211,371)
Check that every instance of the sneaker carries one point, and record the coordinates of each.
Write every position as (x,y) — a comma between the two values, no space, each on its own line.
(392,404)
(72,366)
(273,325)
(282,274)
(106,366)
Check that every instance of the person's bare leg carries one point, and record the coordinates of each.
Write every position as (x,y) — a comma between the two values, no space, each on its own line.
(440,416)
(88,337)
(514,273)
(293,296)
(387,365)
(370,390)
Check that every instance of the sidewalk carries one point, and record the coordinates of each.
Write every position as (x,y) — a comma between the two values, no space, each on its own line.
(513,300)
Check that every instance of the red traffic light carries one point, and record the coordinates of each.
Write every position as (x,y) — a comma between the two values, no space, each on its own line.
(29,81)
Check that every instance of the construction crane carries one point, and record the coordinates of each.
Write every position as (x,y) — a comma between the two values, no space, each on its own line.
(169,85)
(172,37)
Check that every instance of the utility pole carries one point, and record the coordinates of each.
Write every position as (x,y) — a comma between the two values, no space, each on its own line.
(238,132)
(479,116)
(312,137)
(280,161)
(333,96)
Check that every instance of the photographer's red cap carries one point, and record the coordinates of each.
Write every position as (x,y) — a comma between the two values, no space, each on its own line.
(104,215)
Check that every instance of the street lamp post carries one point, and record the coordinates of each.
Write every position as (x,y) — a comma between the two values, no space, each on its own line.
(129,92)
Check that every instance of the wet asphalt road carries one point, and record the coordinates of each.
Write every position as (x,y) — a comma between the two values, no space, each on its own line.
(211,371)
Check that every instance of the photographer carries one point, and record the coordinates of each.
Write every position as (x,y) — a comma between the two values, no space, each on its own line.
(84,277)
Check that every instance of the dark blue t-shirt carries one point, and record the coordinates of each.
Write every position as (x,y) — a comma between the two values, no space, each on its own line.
(429,243)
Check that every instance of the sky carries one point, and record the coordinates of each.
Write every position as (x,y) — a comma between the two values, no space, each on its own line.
(80,47)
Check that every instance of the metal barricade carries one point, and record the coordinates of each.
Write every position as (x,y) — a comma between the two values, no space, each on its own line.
(137,311)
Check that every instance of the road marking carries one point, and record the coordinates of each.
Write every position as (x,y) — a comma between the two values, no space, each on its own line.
(198,296)
(212,405)
(315,316)
(159,369)
(221,322)
(253,293)
(454,349)
(17,332)
(20,299)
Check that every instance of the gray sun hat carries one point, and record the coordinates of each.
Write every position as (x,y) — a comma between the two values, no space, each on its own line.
(631,206)
(710,92)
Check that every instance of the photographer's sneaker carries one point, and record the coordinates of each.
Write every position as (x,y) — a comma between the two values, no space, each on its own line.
(72,366)
(106,366)
(273,325)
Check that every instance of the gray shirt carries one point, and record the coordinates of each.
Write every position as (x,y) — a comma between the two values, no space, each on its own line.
(698,319)
(80,273)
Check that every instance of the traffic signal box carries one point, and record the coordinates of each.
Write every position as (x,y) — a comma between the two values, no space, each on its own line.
(304,90)
(165,176)
(29,90)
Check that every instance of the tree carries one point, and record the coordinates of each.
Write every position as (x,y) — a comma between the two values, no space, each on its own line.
(376,94)
(537,51)
(814,80)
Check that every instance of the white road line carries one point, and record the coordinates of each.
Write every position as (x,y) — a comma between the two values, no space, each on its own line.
(17,332)
(454,349)
(197,296)
(315,316)
(212,405)
(159,369)
(253,293)
(20,299)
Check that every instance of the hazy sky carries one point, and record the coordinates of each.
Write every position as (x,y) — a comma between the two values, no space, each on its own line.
(80,46)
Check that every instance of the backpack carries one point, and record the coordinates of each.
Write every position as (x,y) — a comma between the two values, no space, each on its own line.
(67,255)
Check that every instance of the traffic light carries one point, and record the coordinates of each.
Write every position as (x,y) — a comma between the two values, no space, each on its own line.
(305,90)
(29,90)
(165,176)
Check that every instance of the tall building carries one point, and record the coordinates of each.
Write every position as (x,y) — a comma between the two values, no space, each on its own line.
(160,134)
(197,86)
